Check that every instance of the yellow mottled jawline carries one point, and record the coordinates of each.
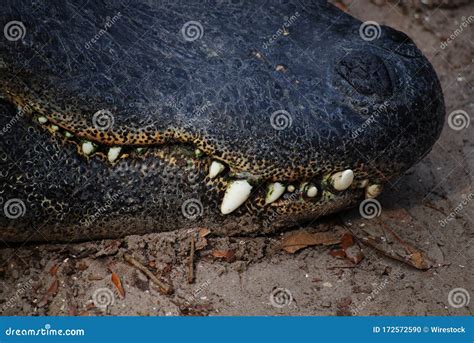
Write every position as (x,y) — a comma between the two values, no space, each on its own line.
(238,188)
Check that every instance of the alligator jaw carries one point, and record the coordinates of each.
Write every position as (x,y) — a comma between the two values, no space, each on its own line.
(236,190)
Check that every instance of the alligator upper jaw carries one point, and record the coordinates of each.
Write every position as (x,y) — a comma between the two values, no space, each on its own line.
(237,185)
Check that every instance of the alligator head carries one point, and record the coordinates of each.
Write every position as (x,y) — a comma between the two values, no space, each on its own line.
(132,118)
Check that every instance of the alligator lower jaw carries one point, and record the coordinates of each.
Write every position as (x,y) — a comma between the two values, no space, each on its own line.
(237,186)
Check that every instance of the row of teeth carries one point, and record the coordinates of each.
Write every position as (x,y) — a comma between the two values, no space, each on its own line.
(239,191)
(88,148)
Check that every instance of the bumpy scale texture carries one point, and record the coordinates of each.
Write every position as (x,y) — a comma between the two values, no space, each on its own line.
(276,91)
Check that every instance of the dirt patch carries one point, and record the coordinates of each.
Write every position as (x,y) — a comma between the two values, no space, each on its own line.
(430,208)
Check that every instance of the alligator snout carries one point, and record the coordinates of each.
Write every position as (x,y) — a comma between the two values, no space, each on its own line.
(253,135)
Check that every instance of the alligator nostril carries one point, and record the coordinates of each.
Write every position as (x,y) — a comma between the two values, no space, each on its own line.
(365,72)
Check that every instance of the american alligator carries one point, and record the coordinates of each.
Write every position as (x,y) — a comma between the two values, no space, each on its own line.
(244,117)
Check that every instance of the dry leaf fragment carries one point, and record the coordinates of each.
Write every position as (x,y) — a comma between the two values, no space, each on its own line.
(118,284)
(303,239)
(53,289)
(204,232)
(228,255)
(342,6)
(202,241)
(348,250)
(50,293)
(53,270)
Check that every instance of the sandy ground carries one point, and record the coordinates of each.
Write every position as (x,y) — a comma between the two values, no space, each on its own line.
(430,208)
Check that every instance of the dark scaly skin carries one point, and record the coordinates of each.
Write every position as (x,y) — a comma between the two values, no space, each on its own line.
(215,94)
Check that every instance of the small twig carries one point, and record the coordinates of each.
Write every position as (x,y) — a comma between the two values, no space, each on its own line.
(167,289)
(191,261)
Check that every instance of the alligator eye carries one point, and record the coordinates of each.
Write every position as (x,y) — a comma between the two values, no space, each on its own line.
(365,72)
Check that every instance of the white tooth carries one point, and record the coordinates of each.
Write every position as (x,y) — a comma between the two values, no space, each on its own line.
(363,183)
(303,186)
(140,150)
(342,180)
(68,134)
(312,191)
(54,128)
(87,147)
(290,188)
(373,191)
(42,120)
(235,195)
(113,153)
(198,153)
(215,169)
(274,191)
